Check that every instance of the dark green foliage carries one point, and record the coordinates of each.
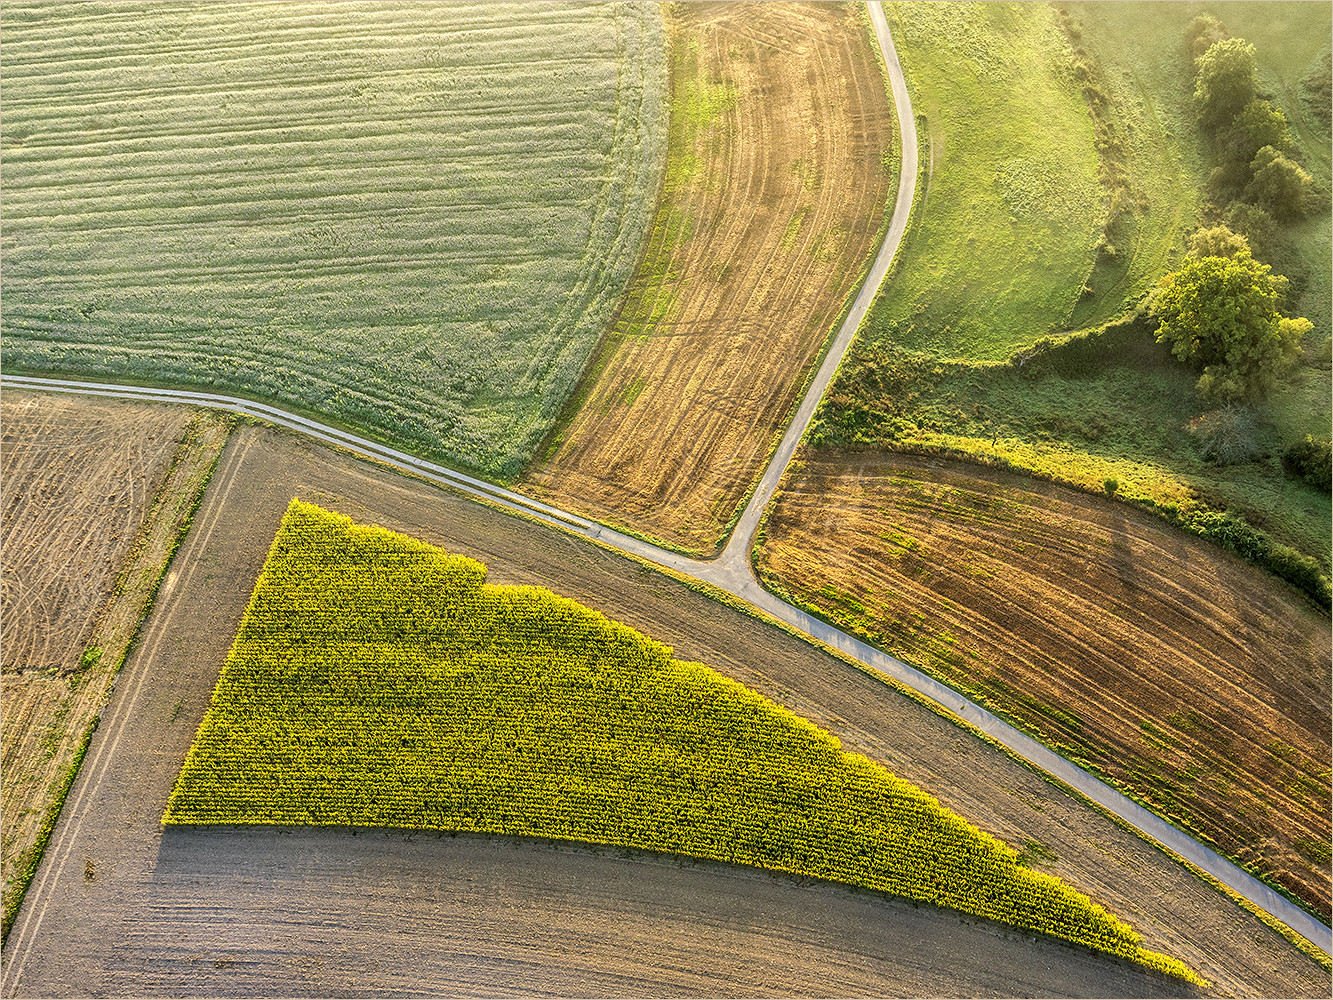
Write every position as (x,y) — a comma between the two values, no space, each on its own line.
(1128,340)
(1271,245)
(1236,535)
(1278,185)
(1317,89)
(1259,124)
(1311,460)
(1224,82)
(1220,315)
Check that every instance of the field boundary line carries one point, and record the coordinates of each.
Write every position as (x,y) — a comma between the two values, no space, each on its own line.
(28,923)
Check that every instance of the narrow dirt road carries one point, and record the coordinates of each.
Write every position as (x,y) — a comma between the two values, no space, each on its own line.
(122,907)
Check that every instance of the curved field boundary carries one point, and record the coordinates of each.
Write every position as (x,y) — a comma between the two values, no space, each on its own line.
(731,573)
(778,177)
(416,219)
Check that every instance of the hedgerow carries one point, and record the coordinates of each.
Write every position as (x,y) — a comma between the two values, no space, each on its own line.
(378,681)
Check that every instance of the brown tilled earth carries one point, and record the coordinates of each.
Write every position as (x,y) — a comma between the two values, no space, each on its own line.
(336,913)
(1196,680)
(774,192)
(84,540)
(78,479)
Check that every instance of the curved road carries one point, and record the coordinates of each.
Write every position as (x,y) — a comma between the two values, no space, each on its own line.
(731,572)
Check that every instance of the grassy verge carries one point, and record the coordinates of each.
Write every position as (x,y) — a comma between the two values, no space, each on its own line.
(1061,411)
(957,356)
(1011,209)
(403,691)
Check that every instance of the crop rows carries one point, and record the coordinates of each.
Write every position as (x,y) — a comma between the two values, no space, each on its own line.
(413,218)
(376,680)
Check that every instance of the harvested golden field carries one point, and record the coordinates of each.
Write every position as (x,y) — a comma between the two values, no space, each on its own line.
(776,183)
(1196,681)
(95,495)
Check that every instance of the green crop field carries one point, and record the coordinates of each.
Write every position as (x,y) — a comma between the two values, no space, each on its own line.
(950,358)
(378,681)
(413,219)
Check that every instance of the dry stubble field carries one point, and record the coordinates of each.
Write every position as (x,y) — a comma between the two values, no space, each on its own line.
(336,912)
(775,190)
(93,494)
(1196,680)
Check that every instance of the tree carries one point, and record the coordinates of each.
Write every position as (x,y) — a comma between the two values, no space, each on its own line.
(1224,82)
(1279,185)
(1204,31)
(1220,315)
(1217,241)
(1259,124)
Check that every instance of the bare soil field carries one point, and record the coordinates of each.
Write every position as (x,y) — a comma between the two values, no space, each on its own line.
(775,189)
(94,495)
(280,911)
(1197,681)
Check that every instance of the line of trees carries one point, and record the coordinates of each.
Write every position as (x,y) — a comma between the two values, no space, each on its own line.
(1221,311)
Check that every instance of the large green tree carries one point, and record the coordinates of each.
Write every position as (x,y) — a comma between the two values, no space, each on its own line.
(1220,314)
(1279,185)
(1224,82)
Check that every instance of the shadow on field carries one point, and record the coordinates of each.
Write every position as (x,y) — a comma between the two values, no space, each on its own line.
(234,910)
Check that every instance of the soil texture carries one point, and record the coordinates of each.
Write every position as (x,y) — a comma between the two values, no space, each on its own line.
(119,906)
(775,191)
(1189,677)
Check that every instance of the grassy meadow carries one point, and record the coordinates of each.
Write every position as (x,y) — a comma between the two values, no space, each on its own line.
(951,358)
(1008,208)
(378,681)
(413,219)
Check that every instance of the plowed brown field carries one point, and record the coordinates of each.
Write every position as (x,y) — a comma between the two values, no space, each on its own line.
(94,494)
(775,189)
(1194,679)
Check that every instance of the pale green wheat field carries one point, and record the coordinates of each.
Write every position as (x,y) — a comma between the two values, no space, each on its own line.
(414,219)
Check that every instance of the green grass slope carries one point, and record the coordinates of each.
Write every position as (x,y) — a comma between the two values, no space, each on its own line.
(950,358)
(414,219)
(1009,210)
(377,681)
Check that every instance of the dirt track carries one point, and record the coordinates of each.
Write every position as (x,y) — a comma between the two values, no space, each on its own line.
(114,809)
(79,482)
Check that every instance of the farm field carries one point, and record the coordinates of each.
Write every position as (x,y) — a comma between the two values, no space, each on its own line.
(143,913)
(778,177)
(1177,670)
(95,495)
(949,362)
(415,220)
(377,681)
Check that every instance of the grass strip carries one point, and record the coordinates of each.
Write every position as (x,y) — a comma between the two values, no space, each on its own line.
(130,586)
